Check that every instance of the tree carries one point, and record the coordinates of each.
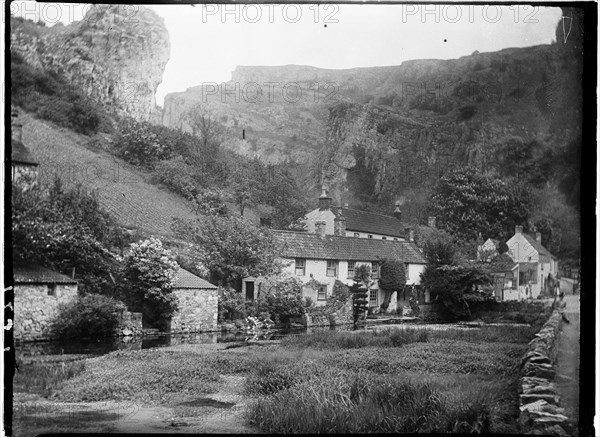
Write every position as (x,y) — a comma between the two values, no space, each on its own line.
(232,248)
(468,202)
(204,125)
(64,230)
(392,278)
(360,292)
(149,272)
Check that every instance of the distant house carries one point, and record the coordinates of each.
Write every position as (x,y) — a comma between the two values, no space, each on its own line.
(503,271)
(21,161)
(318,260)
(348,222)
(38,293)
(536,266)
(197,304)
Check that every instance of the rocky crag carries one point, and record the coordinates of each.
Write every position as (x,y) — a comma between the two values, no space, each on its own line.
(116,55)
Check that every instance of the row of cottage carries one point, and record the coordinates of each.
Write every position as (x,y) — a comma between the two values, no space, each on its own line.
(337,240)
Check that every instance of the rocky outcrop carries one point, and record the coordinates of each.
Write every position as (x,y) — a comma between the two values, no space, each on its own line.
(540,411)
(116,55)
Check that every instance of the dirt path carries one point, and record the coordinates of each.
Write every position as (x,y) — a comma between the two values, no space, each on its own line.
(567,371)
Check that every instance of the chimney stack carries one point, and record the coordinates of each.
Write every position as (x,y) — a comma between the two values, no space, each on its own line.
(538,237)
(518,229)
(431,222)
(339,224)
(320,229)
(16,127)
(324,200)
(397,212)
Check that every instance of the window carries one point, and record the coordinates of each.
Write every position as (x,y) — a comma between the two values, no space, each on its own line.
(351,268)
(322,292)
(384,238)
(51,289)
(369,236)
(395,239)
(356,234)
(300,267)
(332,268)
(373,298)
(375,270)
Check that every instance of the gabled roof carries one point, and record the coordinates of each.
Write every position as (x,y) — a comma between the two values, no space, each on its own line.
(537,246)
(334,247)
(186,279)
(501,263)
(34,274)
(20,155)
(371,222)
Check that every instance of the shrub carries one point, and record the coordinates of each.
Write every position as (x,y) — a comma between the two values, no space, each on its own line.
(141,143)
(283,300)
(178,176)
(91,316)
(231,305)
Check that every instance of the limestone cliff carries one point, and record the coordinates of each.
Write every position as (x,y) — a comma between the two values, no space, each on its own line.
(116,55)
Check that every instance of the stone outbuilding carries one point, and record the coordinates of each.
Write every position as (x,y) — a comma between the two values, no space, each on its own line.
(38,294)
(197,304)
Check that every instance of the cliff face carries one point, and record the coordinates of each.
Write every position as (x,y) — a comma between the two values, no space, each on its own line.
(116,55)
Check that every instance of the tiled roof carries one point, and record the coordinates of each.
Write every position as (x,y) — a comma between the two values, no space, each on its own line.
(333,247)
(186,279)
(19,153)
(526,267)
(537,246)
(370,222)
(33,274)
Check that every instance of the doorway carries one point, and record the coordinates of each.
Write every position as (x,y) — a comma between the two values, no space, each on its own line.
(249,290)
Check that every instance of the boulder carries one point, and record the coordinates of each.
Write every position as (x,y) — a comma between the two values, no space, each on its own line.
(540,370)
(529,398)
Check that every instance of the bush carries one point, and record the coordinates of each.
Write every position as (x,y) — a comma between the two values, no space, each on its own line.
(178,176)
(92,316)
(283,300)
(142,144)
(231,305)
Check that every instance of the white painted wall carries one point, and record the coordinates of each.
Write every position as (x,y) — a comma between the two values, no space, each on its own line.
(316,215)
(413,274)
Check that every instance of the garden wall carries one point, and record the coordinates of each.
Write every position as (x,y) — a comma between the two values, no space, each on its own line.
(198,310)
(36,305)
(538,399)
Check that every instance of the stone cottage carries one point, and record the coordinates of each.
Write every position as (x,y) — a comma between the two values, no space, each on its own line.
(198,301)
(38,294)
(23,165)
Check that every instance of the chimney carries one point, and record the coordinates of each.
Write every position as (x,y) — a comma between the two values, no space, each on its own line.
(410,234)
(16,127)
(518,229)
(324,200)
(320,229)
(538,237)
(397,212)
(339,224)
(431,222)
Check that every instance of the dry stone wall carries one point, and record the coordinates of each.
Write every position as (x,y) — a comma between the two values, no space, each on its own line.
(35,308)
(197,310)
(540,411)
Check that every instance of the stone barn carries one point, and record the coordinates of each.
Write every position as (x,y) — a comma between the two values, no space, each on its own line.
(38,293)
(197,304)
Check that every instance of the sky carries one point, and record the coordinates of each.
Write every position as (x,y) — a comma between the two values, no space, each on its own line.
(209,41)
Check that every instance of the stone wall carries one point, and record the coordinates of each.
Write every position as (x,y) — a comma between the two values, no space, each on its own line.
(540,411)
(35,309)
(197,310)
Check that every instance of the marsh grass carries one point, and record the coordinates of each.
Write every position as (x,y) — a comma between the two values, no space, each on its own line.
(42,377)
(355,402)
(150,376)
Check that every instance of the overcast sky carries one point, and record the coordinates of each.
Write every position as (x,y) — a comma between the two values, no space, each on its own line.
(209,41)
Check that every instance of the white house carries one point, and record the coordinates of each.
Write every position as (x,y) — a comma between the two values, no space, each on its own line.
(318,260)
(535,264)
(349,222)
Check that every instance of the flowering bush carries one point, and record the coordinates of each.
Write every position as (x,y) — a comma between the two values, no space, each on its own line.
(256,323)
(149,273)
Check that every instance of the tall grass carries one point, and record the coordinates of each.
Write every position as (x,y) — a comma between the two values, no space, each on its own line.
(44,377)
(365,402)
(400,336)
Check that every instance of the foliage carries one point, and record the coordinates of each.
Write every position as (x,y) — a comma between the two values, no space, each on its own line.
(211,202)
(64,229)
(92,316)
(232,248)
(44,377)
(141,143)
(469,202)
(392,278)
(51,97)
(283,301)
(450,285)
(231,305)
(360,291)
(178,176)
(439,250)
(149,272)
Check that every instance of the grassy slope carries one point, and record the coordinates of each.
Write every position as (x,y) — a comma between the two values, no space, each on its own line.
(123,190)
